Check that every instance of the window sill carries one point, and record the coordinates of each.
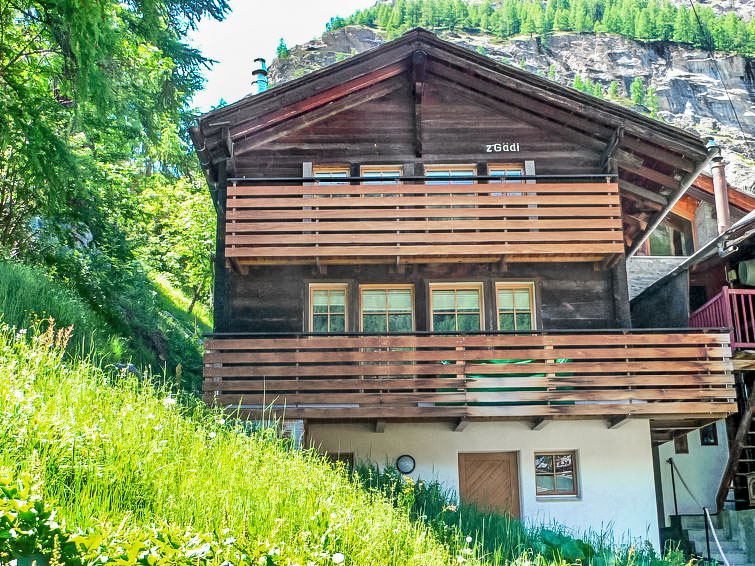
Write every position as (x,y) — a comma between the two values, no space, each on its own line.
(549,498)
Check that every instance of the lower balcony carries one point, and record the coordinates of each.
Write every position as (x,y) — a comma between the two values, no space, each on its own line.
(679,380)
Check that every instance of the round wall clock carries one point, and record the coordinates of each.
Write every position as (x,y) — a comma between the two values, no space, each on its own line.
(405,464)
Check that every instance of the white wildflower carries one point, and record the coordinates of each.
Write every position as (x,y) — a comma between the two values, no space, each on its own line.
(338,557)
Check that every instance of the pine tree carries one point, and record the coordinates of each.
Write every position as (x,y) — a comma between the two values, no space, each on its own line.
(651,101)
(597,90)
(578,83)
(637,91)
(282,50)
(552,72)
(613,90)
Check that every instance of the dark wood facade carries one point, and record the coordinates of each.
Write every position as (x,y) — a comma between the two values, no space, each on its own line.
(590,178)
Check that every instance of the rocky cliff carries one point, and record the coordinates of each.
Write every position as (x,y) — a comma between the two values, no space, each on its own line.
(694,91)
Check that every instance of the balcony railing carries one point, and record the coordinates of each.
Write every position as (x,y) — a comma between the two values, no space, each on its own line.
(483,220)
(492,375)
(731,308)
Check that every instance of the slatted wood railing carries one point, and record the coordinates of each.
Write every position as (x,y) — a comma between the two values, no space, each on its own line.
(487,375)
(416,223)
(731,308)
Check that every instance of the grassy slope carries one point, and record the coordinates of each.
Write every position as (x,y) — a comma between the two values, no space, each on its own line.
(109,451)
(156,331)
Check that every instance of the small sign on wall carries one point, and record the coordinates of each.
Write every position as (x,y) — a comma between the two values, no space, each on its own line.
(501,147)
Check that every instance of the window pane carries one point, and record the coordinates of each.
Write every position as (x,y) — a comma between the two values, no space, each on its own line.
(544,484)
(443,300)
(444,322)
(563,462)
(400,323)
(523,321)
(506,321)
(506,299)
(373,323)
(319,323)
(320,301)
(469,322)
(543,463)
(337,323)
(373,300)
(468,300)
(522,299)
(399,300)
(565,482)
(337,301)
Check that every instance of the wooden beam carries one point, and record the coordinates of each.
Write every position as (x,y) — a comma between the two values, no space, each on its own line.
(686,183)
(419,59)
(380,425)
(461,424)
(611,147)
(617,422)
(305,120)
(646,194)
(539,424)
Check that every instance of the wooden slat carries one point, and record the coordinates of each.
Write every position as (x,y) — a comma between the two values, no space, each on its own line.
(358,190)
(350,213)
(449,237)
(413,250)
(449,201)
(568,224)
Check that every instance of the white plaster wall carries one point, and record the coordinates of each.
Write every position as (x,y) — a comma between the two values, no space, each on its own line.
(614,466)
(702,470)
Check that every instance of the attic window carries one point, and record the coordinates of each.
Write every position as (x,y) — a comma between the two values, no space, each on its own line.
(674,237)
(329,172)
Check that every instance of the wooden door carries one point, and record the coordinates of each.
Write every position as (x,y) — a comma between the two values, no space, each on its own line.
(490,480)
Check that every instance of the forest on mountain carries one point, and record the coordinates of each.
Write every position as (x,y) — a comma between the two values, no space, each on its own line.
(100,192)
(636,19)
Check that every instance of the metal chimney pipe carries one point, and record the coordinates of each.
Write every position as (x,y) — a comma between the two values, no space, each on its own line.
(260,75)
(720,192)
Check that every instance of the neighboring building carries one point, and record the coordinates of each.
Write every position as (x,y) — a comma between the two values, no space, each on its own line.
(715,468)
(421,256)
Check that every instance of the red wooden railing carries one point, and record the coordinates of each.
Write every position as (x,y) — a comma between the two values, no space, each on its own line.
(731,308)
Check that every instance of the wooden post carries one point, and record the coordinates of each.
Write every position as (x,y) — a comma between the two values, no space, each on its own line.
(721,194)
(222,281)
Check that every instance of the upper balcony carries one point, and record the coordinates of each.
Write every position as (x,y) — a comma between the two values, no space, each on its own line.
(678,380)
(731,308)
(476,219)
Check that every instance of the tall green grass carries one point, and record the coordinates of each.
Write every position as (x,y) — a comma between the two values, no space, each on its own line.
(28,295)
(109,451)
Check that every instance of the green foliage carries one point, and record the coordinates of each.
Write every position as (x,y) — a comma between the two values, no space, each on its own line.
(282,50)
(28,525)
(469,532)
(613,90)
(636,19)
(637,91)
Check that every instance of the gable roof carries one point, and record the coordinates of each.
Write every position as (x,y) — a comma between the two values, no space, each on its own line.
(656,162)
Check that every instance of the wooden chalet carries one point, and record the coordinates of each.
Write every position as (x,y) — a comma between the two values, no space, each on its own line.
(419,236)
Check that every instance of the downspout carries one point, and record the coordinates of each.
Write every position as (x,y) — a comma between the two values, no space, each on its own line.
(721,194)
(713,151)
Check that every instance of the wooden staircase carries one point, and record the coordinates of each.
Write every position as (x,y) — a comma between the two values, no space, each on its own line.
(741,466)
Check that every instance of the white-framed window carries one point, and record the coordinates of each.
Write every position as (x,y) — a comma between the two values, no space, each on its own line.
(328,307)
(386,308)
(515,305)
(456,307)
(556,473)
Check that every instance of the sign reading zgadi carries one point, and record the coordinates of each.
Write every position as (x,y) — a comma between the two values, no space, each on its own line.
(501,147)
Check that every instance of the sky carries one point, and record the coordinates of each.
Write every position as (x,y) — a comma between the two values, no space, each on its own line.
(254,29)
